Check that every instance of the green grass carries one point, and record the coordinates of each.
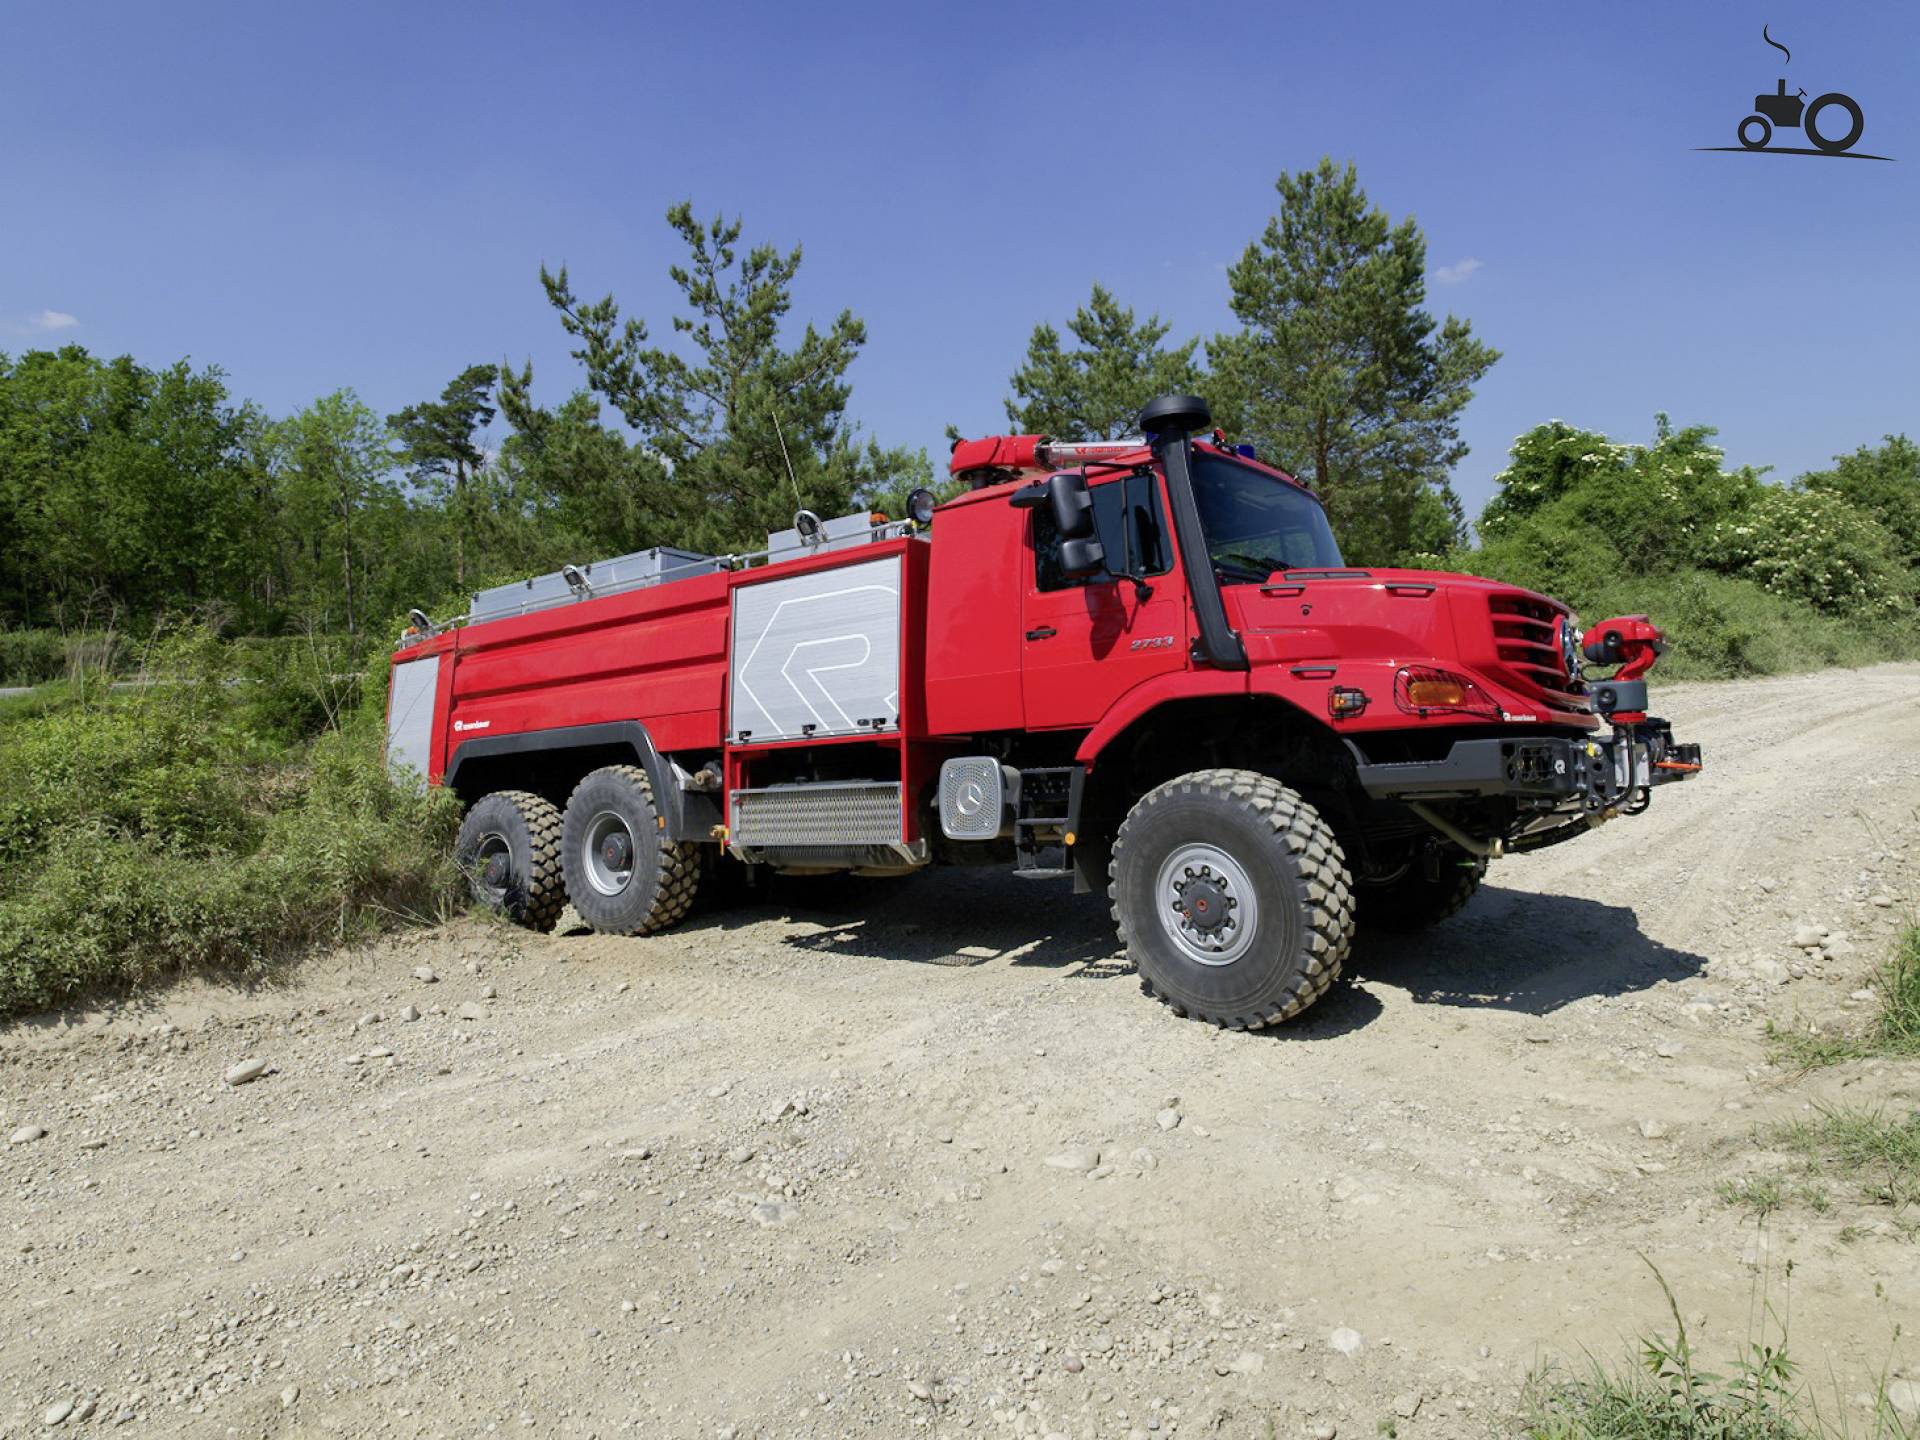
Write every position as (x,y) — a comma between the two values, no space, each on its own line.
(1764,1194)
(200,825)
(1894,1031)
(1898,1030)
(1876,1153)
(1861,1153)
(1668,1392)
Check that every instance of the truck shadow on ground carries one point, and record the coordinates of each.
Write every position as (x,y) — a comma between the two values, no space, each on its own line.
(1508,950)
(1525,952)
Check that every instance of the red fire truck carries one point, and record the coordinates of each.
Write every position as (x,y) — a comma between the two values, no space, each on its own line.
(1138,664)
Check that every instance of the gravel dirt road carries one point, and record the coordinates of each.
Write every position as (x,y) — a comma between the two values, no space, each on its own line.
(926,1162)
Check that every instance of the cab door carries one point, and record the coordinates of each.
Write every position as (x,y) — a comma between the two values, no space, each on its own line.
(1088,641)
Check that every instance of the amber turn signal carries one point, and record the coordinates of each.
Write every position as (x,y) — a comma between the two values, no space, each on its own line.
(1424,690)
(1343,701)
(1436,694)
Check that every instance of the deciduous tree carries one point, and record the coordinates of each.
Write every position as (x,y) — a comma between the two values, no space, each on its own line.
(342,525)
(119,485)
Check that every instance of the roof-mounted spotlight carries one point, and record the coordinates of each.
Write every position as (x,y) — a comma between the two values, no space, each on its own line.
(420,620)
(576,580)
(808,525)
(920,504)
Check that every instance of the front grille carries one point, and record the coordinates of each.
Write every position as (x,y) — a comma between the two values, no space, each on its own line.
(1524,639)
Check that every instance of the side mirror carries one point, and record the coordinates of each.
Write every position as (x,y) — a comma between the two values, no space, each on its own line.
(1082,556)
(1072,504)
(1066,495)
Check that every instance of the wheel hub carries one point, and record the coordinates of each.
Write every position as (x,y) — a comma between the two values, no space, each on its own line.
(607,853)
(493,866)
(1207,904)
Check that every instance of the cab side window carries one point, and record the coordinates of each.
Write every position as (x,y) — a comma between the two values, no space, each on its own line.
(1129,506)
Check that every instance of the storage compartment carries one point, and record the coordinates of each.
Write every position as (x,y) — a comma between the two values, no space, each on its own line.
(601,577)
(412,694)
(816,655)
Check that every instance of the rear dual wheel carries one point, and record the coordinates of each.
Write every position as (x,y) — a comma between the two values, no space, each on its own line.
(1232,897)
(623,874)
(609,854)
(509,850)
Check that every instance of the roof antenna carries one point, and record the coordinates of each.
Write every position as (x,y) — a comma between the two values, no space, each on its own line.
(785,459)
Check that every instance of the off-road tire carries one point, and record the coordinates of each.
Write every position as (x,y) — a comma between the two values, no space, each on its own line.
(1414,902)
(532,893)
(665,873)
(1293,865)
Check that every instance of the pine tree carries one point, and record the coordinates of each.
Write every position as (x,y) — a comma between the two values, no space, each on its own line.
(439,444)
(1339,374)
(749,427)
(1096,392)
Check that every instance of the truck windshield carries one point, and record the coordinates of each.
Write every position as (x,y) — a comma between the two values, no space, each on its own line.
(1256,524)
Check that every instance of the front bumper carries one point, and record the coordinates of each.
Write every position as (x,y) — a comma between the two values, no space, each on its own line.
(1594,773)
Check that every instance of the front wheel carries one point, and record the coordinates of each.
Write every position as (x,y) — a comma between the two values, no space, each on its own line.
(1755,131)
(1232,897)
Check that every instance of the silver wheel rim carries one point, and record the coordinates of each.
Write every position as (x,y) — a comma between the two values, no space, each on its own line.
(606,853)
(1206,904)
(493,857)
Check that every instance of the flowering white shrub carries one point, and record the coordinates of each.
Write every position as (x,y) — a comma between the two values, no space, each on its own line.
(1814,546)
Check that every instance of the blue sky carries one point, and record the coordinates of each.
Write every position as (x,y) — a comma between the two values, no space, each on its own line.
(320,196)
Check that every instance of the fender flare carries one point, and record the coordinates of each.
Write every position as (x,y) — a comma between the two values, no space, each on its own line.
(668,799)
(1150,695)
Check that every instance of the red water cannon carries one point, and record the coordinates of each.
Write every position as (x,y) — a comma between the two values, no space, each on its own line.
(1633,642)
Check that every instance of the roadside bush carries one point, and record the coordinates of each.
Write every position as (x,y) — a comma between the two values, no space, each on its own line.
(34,657)
(1721,627)
(31,657)
(148,833)
(1883,482)
(294,687)
(1746,578)
(1816,547)
(1647,505)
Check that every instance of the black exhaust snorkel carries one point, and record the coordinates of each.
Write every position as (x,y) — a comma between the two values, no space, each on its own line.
(1167,422)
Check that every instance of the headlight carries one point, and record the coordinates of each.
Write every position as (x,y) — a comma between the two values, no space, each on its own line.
(1567,634)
